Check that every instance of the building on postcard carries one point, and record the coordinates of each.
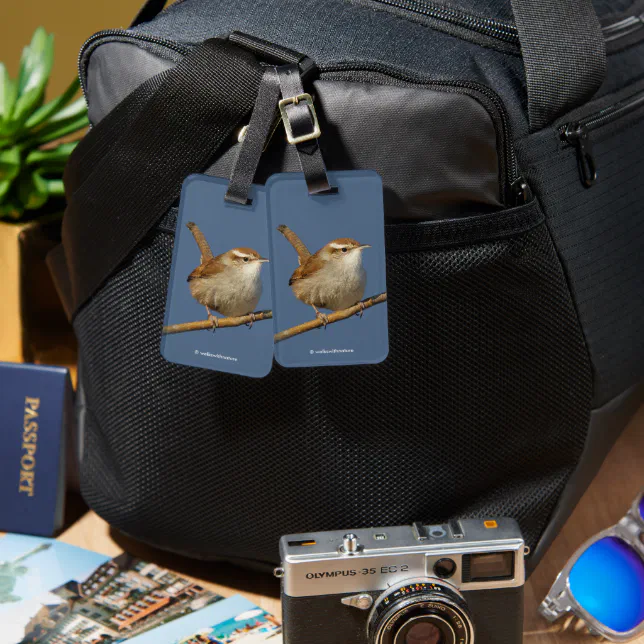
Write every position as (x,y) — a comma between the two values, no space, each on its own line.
(121,598)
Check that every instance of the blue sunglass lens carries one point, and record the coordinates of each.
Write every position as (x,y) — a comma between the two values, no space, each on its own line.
(642,507)
(608,582)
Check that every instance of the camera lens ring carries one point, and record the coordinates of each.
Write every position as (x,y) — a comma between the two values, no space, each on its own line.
(412,598)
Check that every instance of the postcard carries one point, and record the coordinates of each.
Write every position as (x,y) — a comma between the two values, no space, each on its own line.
(113,602)
(233,621)
(30,566)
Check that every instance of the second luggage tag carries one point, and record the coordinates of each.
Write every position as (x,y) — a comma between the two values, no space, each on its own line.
(218,310)
(328,270)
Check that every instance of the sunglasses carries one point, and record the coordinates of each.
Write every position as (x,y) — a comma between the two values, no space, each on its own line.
(603,583)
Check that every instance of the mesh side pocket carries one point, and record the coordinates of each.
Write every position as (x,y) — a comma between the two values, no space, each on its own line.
(481,408)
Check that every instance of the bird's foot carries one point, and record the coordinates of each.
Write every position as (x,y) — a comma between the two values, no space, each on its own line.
(323,317)
(253,318)
(214,321)
(362,309)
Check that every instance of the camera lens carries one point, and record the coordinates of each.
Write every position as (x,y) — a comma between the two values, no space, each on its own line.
(424,633)
(445,568)
(423,611)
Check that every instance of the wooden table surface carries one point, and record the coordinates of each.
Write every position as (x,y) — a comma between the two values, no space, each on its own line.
(606,501)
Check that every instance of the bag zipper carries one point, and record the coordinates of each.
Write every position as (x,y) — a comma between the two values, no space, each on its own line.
(514,189)
(504,31)
(577,134)
(130,35)
(486,26)
(623,28)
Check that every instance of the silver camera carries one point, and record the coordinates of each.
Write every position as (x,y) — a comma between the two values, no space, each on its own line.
(439,584)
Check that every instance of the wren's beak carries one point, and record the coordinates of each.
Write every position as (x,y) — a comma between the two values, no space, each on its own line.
(363,246)
(262,260)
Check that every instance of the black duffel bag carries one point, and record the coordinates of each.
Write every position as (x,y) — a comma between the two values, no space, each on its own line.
(508,136)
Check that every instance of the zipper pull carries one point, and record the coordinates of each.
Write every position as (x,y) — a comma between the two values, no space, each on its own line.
(577,135)
(521,192)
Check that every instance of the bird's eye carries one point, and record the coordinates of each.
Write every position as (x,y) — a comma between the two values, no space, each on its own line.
(245,259)
(344,250)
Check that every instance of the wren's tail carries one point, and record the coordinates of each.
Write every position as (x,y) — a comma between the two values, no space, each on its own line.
(204,246)
(302,251)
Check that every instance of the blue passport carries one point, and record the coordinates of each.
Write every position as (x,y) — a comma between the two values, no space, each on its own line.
(36,406)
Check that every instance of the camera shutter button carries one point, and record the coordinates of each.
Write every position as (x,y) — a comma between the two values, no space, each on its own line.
(350,545)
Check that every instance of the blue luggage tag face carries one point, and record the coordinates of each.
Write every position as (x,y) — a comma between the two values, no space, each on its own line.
(328,271)
(219,296)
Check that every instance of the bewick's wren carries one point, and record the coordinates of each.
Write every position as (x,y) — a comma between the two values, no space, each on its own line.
(230,283)
(333,278)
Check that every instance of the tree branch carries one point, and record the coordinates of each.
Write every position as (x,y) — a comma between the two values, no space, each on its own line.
(336,316)
(223,323)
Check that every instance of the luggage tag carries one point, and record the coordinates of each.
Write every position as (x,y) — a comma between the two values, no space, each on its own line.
(218,309)
(328,270)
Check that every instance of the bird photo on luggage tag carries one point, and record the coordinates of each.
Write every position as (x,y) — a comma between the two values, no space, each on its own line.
(218,310)
(328,270)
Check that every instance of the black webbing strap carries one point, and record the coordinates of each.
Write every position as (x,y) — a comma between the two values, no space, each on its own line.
(257,133)
(301,119)
(272,53)
(564,54)
(95,144)
(129,169)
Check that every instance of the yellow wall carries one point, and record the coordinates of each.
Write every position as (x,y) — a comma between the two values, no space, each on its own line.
(72,21)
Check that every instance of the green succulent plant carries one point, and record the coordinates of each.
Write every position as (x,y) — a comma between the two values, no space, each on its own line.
(31,157)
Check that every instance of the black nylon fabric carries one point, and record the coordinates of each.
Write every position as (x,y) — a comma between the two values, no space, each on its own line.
(502,10)
(220,466)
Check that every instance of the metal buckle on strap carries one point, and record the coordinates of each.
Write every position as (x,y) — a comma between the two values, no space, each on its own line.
(295,100)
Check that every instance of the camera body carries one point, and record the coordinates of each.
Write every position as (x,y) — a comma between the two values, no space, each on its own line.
(444,584)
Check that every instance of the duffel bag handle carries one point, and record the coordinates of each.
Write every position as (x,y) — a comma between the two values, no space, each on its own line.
(564,55)
(563,49)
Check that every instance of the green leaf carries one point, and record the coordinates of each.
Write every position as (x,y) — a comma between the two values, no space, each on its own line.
(57,130)
(54,157)
(5,186)
(55,187)
(77,108)
(67,121)
(9,170)
(35,68)
(8,93)
(32,190)
(9,164)
(53,107)
(36,56)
